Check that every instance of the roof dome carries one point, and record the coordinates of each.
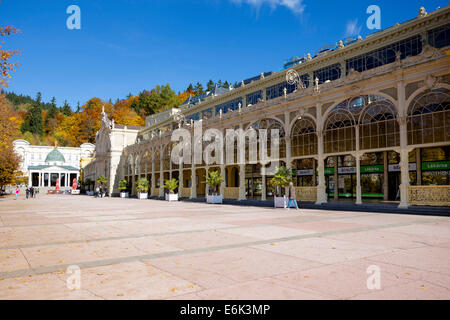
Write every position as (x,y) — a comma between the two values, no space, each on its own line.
(55,156)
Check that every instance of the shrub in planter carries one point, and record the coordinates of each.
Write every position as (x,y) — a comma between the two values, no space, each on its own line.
(142,188)
(280,181)
(213,180)
(171,185)
(123,187)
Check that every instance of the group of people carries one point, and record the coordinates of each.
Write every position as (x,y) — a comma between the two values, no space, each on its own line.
(100,191)
(30,192)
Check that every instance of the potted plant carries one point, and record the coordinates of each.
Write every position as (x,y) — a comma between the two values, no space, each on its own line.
(142,188)
(171,185)
(123,187)
(213,180)
(280,181)
(101,180)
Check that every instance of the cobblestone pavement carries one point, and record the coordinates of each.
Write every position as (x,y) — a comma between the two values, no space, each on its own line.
(150,249)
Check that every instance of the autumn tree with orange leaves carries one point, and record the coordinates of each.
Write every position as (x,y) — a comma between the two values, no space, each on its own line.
(9,122)
(6,67)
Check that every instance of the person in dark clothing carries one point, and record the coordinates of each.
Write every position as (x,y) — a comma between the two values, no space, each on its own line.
(292,198)
(27,192)
(32,192)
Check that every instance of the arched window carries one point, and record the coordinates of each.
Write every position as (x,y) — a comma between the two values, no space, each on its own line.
(429,117)
(130,166)
(303,138)
(376,118)
(339,133)
(270,124)
(378,125)
(157,160)
(136,165)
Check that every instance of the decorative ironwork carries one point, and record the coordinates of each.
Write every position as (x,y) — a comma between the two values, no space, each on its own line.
(292,78)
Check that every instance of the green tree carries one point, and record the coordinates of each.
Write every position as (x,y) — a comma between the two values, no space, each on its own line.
(226,85)
(65,109)
(214,179)
(210,85)
(33,118)
(199,88)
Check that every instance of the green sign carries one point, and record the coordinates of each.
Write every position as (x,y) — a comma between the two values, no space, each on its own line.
(329,171)
(437,165)
(372,169)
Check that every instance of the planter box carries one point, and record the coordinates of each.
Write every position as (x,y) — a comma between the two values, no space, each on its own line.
(280,202)
(124,195)
(90,193)
(214,198)
(75,191)
(142,195)
(172,196)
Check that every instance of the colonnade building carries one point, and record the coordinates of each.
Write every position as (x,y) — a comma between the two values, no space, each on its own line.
(368,120)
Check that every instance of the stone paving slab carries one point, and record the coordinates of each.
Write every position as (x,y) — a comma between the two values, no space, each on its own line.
(152,249)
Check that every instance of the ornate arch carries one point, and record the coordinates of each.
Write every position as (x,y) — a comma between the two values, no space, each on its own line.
(428,117)
(303,137)
(378,126)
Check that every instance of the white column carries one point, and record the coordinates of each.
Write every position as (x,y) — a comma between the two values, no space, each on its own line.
(358,167)
(222,185)
(404,163)
(206,185)
(321,186)
(180,179)
(242,182)
(358,179)
(152,190)
(385,176)
(30,174)
(263,187)
(161,175)
(193,183)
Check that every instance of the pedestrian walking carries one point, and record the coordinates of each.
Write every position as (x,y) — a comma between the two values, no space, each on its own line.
(97,191)
(32,192)
(27,192)
(17,192)
(292,198)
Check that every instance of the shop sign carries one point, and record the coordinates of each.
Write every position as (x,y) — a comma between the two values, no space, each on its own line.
(306,172)
(346,170)
(396,167)
(438,165)
(372,169)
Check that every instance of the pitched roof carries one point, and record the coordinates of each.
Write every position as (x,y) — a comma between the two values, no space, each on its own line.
(45,166)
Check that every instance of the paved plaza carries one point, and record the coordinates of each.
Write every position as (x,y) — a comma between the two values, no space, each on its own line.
(151,249)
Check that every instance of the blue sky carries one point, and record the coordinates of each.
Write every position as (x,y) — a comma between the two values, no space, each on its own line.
(129,45)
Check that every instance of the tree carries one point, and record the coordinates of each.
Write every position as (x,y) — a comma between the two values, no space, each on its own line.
(171,185)
(66,109)
(6,67)
(33,118)
(281,179)
(142,185)
(158,99)
(51,122)
(214,179)
(9,130)
(226,85)
(210,85)
(198,88)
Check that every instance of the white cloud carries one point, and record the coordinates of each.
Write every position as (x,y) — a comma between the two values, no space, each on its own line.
(295,6)
(352,29)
